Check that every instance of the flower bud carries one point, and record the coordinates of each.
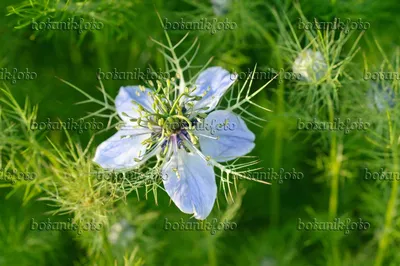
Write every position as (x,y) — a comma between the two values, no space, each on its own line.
(310,65)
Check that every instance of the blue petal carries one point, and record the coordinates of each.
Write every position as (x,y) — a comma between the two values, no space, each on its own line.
(190,182)
(224,136)
(128,100)
(121,149)
(212,83)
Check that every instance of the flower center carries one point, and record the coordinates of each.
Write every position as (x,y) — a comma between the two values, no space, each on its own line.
(174,125)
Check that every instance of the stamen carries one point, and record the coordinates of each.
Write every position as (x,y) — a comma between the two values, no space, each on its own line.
(206,91)
(157,101)
(149,154)
(193,138)
(184,118)
(142,88)
(177,102)
(208,136)
(165,149)
(175,144)
(133,135)
(193,149)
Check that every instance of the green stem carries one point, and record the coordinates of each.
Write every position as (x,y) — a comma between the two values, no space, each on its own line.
(390,210)
(334,173)
(334,167)
(211,251)
(212,256)
(333,198)
(275,195)
(280,108)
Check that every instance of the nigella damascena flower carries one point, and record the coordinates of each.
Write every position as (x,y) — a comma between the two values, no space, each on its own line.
(221,7)
(121,234)
(380,97)
(182,128)
(267,261)
(310,65)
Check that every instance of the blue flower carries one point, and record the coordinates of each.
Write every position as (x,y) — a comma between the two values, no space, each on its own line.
(380,97)
(121,234)
(221,7)
(179,125)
